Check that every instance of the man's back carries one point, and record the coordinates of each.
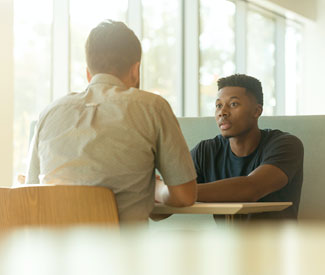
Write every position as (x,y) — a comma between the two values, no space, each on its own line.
(110,136)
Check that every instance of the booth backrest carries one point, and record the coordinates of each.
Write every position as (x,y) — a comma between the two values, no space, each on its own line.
(309,129)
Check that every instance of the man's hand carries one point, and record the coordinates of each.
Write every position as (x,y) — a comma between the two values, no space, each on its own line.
(158,217)
(159,190)
(21,179)
(178,196)
(159,186)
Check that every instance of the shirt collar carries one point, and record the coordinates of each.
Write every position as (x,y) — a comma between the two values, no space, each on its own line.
(106,79)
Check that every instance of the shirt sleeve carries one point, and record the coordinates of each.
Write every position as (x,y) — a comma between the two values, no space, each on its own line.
(33,169)
(173,159)
(285,152)
(197,156)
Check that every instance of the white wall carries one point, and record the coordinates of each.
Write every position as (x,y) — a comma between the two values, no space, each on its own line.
(313,95)
(6,92)
(305,8)
(312,12)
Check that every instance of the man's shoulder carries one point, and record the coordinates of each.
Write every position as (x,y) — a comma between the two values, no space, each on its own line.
(146,97)
(276,136)
(277,133)
(69,99)
(212,144)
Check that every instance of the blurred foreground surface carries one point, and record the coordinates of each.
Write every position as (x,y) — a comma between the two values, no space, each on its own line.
(285,248)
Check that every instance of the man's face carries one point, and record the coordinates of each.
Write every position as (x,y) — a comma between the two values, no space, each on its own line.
(236,111)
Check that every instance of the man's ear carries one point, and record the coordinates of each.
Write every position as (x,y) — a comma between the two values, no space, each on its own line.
(89,76)
(135,74)
(258,111)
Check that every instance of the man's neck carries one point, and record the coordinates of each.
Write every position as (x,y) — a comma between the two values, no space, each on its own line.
(245,144)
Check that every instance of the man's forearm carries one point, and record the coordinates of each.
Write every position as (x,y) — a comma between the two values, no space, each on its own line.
(228,190)
(178,196)
(264,180)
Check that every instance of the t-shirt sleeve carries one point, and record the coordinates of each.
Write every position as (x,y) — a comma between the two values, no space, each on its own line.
(285,152)
(173,159)
(197,156)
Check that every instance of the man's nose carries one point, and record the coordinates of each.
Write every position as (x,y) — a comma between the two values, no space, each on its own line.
(224,111)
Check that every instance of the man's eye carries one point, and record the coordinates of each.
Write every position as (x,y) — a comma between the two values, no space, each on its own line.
(234,104)
(218,106)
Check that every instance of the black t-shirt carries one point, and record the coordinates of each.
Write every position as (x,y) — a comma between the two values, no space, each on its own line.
(214,160)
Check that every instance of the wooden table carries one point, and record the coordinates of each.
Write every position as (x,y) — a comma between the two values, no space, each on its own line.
(227,209)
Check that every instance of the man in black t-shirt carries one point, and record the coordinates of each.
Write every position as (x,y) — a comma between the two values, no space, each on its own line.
(244,163)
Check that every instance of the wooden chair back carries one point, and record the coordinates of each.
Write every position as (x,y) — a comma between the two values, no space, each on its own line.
(57,205)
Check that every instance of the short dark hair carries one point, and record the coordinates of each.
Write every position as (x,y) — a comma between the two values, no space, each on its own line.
(112,47)
(251,84)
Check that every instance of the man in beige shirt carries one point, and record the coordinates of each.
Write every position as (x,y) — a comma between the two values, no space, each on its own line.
(114,134)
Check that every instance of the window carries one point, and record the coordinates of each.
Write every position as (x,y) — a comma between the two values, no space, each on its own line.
(293,68)
(261,55)
(161,44)
(32,82)
(85,15)
(217,49)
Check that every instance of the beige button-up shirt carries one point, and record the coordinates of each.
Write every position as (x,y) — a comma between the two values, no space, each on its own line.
(111,136)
